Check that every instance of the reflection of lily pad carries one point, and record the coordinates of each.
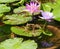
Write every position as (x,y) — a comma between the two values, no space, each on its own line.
(21,31)
(18,43)
(16,19)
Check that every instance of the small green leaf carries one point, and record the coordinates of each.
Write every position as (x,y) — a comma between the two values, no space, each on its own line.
(47,32)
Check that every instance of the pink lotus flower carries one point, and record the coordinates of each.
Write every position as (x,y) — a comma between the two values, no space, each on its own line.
(32,7)
(47,16)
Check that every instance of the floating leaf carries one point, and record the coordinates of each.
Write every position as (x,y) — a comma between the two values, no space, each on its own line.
(1,15)
(4,8)
(17,43)
(19,9)
(23,1)
(11,43)
(29,44)
(23,32)
(55,6)
(7,1)
(57,13)
(47,32)
(16,19)
(56,10)
(47,6)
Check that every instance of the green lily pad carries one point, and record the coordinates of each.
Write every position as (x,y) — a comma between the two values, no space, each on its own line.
(16,19)
(29,44)
(17,43)
(57,13)
(4,8)
(10,43)
(56,10)
(29,33)
(23,1)
(7,1)
(19,9)
(1,15)
(47,6)
(55,6)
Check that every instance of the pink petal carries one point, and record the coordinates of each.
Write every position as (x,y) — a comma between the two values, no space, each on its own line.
(35,4)
(27,5)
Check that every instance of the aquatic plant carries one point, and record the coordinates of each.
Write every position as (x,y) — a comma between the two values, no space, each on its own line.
(25,23)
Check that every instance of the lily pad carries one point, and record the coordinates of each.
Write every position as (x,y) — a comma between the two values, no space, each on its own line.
(17,43)
(56,11)
(16,19)
(11,43)
(29,33)
(19,9)
(55,6)
(4,8)
(47,6)
(7,1)
(1,15)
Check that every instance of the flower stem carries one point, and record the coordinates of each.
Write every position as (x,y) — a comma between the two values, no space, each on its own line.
(44,26)
(12,35)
